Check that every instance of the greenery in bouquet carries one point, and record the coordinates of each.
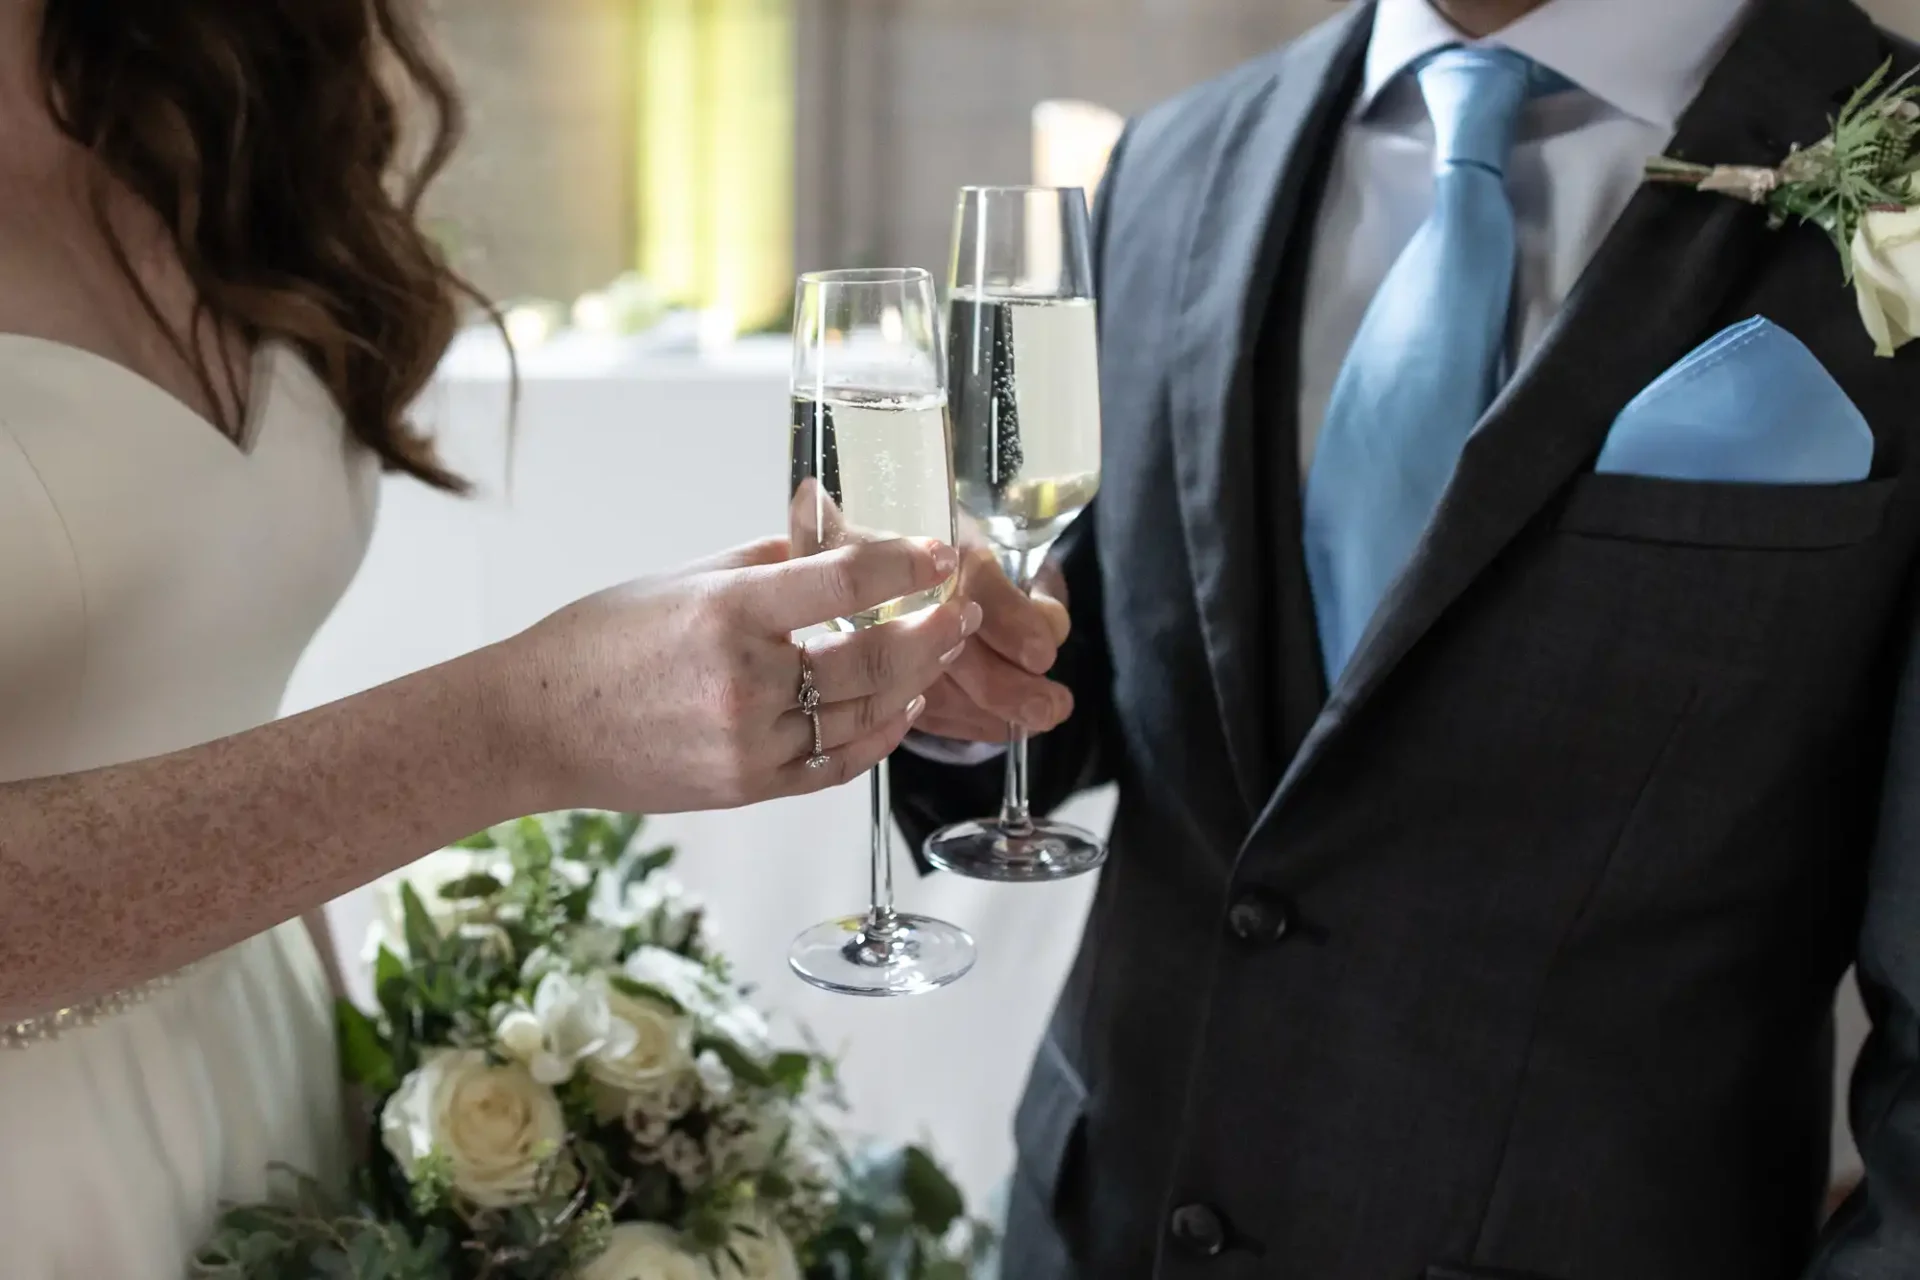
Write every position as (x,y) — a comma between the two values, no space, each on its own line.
(563,1080)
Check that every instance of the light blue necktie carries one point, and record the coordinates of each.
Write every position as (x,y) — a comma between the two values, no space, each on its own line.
(1427,359)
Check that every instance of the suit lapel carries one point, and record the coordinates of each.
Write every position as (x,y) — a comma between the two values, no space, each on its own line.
(1248,208)
(1652,292)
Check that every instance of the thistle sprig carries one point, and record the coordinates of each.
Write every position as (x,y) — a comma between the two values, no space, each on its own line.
(1867,162)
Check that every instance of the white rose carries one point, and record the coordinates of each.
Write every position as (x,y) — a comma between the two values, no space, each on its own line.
(644,1251)
(763,1250)
(655,1052)
(496,1126)
(1886,276)
(571,1020)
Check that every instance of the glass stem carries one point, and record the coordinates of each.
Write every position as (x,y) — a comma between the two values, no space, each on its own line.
(1016,815)
(881,911)
(1016,812)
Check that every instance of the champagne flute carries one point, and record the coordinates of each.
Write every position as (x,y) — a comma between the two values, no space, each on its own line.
(872,459)
(1025,384)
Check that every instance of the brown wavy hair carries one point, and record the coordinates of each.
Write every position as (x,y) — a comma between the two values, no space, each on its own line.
(268,137)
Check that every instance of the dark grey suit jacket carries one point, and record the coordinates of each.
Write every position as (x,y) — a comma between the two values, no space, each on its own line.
(1514,955)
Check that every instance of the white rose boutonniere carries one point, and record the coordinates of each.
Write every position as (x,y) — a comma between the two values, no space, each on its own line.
(496,1127)
(645,1251)
(1857,184)
(1886,276)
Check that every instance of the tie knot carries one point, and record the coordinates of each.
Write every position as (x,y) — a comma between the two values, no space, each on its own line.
(1474,96)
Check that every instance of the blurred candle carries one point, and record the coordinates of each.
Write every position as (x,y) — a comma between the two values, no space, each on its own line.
(1071,143)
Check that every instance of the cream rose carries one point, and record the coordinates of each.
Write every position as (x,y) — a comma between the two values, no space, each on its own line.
(763,1250)
(496,1126)
(645,1251)
(1886,276)
(653,1050)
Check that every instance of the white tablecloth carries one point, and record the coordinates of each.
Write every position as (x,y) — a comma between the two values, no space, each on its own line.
(625,464)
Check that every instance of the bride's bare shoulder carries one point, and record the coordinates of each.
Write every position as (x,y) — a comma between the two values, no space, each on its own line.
(61,282)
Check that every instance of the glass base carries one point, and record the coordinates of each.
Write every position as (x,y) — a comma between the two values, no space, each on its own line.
(900,955)
(1033,854)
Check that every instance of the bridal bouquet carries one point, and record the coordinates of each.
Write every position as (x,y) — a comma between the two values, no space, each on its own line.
(565,1082)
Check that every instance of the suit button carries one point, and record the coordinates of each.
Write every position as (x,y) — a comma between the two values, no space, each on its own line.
(1257,919)
(1199,1229)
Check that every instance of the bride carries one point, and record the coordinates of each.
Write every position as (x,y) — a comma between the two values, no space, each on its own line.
(215,307)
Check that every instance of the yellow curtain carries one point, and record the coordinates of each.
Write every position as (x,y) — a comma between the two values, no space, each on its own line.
(716,122)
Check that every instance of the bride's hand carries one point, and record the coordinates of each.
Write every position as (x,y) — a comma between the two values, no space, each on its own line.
(682,691)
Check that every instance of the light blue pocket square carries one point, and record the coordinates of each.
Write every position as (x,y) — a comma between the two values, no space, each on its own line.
(1750,406)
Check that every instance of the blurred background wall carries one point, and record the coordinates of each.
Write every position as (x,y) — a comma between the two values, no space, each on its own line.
(713,147)
(893,104)
(890,105)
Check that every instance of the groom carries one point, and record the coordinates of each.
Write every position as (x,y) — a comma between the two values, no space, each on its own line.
(1492,830)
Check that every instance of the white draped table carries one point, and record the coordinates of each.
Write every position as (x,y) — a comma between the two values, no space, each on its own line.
(623,463)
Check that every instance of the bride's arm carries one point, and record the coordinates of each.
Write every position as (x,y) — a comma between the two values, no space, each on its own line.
(113,876)
(672,694)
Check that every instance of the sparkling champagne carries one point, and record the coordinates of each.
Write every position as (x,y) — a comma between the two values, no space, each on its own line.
(869,466)
(1025,383)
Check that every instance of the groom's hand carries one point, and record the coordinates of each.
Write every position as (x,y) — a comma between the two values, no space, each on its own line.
(999,676)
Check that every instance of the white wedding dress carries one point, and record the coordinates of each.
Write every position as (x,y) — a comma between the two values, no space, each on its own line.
(157,585)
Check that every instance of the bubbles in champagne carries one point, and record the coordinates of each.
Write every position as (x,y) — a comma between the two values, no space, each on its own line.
(1026,413)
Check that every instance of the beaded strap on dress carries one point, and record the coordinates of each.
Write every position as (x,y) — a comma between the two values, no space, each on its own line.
(51,1026)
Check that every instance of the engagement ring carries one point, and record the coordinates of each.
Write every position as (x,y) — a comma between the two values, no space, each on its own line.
(810,705)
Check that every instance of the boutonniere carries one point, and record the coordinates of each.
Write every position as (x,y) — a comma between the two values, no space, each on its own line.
(1859,185)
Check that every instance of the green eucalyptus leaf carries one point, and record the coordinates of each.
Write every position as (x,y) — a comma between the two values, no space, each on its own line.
(472,888)
(742,1064)
(581,832)
(365,1059)
(527,841)
(647,863)
(367,1256)
(625,829)
(423,939)
(388,968)
(478,840)
(644,991)
(789,1072)
(936,1202)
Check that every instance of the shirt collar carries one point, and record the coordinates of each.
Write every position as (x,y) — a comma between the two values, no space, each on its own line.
(1645,58)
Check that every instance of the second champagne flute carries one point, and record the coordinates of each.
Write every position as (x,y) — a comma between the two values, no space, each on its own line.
(871,459)
(1024,383)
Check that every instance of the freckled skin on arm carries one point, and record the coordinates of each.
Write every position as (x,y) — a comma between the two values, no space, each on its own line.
(661,695)
(115,876)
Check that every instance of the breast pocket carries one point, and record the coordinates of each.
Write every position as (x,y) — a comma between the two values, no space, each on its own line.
(1758,517)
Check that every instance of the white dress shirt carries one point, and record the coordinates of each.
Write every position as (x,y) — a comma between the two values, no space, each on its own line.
(1576,161)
